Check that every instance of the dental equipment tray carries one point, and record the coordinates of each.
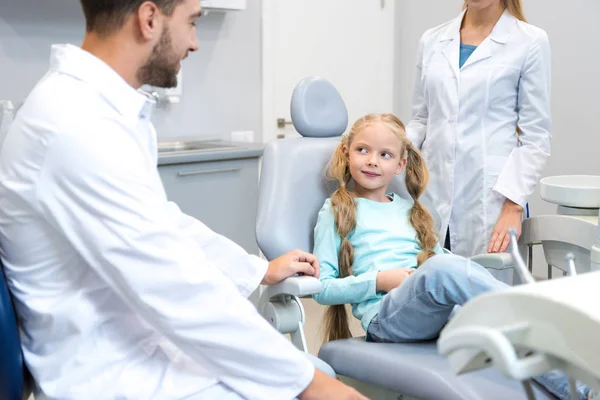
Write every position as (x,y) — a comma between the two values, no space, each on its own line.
(580,191)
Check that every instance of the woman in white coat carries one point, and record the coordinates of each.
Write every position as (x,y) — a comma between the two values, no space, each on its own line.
(481,117)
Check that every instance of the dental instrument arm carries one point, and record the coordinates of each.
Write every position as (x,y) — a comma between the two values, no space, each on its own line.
(520,265)
(532,329)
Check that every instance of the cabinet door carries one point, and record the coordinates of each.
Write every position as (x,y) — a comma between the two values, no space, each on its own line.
(221,194)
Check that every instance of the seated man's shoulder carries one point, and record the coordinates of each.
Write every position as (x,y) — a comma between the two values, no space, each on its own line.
(65,105)
(67,113)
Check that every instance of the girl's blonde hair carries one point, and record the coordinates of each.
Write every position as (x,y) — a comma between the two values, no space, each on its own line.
(344,209)
(514,7)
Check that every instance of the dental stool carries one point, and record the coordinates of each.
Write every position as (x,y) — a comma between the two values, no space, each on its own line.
(12,370)
(292,190)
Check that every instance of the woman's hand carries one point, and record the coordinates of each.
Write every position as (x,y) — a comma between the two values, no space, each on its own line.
(390,279)
(510,217)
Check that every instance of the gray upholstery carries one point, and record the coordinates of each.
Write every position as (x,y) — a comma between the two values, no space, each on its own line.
(417,370)
(292,190)
(317,109)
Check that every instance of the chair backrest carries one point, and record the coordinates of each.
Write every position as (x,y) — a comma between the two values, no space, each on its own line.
(12,371)
(293,186)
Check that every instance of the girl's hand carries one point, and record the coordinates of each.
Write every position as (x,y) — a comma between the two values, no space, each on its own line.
(388,280)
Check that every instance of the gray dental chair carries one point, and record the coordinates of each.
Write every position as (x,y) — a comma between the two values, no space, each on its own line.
(292,190)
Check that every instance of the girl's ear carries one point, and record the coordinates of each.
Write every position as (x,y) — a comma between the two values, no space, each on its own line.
(401,166)
(346,151)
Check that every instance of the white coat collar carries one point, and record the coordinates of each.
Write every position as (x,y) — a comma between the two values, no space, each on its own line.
(451,48)
(84,66)
(501,32)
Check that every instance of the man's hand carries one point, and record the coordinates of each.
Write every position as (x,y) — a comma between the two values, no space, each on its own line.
(324,387)
(390,279)
(290,264)
(510,217)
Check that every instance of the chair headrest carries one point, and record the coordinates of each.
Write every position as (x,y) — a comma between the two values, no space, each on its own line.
(317,109)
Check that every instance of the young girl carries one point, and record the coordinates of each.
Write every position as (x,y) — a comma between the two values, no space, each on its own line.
(380,252)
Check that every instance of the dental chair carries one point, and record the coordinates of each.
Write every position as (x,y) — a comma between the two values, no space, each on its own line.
(535,328)
(572,229)
(12,370)
(292,189)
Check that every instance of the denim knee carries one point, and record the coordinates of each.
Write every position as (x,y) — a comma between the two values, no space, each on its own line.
(445,267)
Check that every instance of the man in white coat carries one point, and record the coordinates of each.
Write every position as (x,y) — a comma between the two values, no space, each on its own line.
(119,294)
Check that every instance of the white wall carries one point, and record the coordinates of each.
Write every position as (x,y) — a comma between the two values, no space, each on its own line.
(574,32)
(222,81)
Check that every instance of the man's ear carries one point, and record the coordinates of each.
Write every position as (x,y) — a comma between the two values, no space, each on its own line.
(401,166)
(149,19)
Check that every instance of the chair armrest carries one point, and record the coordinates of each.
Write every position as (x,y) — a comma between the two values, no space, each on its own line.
(280,305)
(496,261)
(295,286)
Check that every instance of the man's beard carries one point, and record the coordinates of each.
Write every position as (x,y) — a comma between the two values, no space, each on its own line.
(160,70)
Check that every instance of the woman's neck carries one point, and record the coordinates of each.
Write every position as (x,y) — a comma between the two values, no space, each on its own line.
(483,18)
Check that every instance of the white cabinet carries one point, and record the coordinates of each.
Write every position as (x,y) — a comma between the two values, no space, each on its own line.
(221,194)
(223,5)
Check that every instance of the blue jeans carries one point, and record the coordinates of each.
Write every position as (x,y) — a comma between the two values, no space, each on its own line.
(418,309)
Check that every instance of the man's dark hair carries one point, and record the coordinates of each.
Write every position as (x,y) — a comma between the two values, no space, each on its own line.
(106,16)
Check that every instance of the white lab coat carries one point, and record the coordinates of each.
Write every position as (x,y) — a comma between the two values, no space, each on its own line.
(464,121)
(120,295)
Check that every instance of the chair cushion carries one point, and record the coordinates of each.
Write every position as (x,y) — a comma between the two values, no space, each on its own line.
(416,369)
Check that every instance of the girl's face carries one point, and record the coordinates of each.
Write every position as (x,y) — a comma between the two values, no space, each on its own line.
(374,157)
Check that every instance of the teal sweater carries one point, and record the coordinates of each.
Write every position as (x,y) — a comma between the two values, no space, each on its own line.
(383,239)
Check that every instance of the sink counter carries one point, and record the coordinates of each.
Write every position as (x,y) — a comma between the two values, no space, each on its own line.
(192,151)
